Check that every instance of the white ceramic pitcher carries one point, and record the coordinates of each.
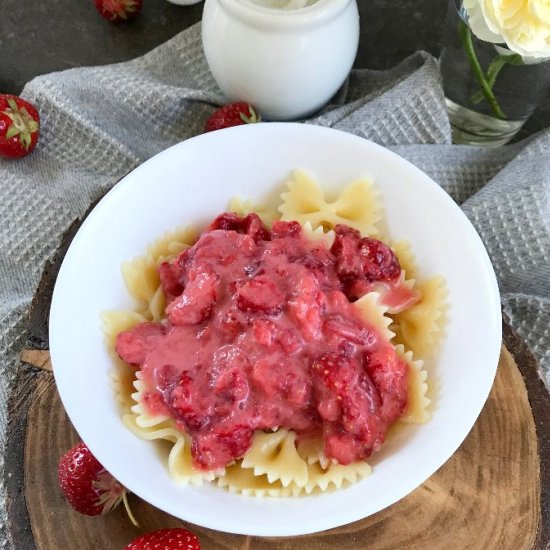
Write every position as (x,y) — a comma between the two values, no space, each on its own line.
(285,57)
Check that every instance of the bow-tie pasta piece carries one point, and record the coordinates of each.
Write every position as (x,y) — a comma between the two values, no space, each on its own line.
(274,454)
(243,208)
(419,327)
(374,314)
(243,480)
(311,449)
(417,402)
(357,206)
(405,255)
(335,476)
(327,238)
(172,243)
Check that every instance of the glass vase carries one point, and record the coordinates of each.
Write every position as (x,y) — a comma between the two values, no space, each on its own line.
(490,91)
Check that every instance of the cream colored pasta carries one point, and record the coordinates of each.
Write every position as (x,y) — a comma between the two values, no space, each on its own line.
(277,464)
(417,402)
(311,449)
(374,314)
(419,327)
(357,205)
(274,454)
(243,480)
(335,476)
(405,255)
(242,208)
(319,234)
(172,243)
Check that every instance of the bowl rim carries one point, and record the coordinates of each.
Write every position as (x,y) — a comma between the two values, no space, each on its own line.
(493,300)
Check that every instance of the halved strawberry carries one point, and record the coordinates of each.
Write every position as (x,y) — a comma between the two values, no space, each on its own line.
(19,126)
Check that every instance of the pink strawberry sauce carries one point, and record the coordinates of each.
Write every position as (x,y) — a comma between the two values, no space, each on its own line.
(261,333)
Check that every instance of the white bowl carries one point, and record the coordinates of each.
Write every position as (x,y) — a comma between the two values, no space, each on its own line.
(192,182)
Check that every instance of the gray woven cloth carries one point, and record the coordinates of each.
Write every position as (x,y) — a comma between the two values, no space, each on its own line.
(99,123)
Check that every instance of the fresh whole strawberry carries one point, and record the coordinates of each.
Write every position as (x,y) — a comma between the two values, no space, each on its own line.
(166,539)
(233,114)
(118,11)
(89,488)
(19,126)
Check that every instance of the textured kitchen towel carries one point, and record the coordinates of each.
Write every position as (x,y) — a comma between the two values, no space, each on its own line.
(99,123)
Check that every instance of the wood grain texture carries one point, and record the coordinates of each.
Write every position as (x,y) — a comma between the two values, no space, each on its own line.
(39,358)
(539,401)
(486,496)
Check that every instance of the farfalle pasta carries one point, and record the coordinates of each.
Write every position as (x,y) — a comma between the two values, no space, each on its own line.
(419,327)
(357,205)
(279,456)
(275,455)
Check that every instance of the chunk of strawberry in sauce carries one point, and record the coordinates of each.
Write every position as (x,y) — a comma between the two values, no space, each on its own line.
(260,293)
(338,328)
(307,306)
(342,447)
(228,221)
(282,230)
(250,225)
(195,304)
(334,372)
(255,228)
(227,376)
(186,408)
(390,376)
(378,261)
(362,261)
(169,280)
(132,345)
(230,324)
(271,336)
(215,450)
(345,248)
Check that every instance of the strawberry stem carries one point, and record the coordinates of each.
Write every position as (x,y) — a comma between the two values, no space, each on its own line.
(128,510)
(252,118)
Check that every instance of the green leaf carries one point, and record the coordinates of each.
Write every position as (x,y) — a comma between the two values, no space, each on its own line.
(25,139)
(13,105)
(12,132)
(514,59)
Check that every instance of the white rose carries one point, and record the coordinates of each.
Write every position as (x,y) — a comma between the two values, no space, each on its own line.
(523,24)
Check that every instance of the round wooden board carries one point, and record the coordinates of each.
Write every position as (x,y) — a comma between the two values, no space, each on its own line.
(488,495)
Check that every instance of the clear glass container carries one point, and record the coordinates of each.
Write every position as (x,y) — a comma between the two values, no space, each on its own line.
(490,91)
